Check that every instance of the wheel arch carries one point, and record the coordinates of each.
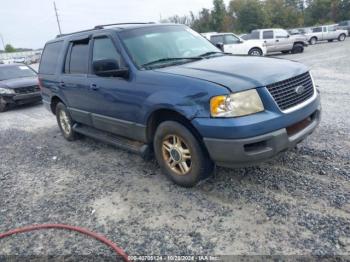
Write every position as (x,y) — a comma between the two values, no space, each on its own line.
(164,114)
(54,101)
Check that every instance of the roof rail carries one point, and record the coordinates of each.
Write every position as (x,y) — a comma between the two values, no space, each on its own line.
(102,27)
(83,31)
(133,23)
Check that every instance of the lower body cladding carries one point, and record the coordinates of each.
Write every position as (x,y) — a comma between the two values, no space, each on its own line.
(249,151)
(21,99)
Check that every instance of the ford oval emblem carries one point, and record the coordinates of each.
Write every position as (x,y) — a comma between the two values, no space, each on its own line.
(300,89)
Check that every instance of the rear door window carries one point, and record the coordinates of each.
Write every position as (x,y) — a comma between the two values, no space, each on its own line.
(77,57)
(49,58)
(317,30)
(268,34)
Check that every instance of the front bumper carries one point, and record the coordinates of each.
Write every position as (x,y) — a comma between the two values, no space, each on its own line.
(249,151)
(21,99)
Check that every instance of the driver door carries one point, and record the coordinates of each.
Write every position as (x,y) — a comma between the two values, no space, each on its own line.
(113,105)
(233,45)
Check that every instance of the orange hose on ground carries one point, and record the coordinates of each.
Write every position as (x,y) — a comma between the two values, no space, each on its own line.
(104,240)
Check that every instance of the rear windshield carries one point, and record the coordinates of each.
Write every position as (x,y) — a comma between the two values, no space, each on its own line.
(49,58)
(15,71)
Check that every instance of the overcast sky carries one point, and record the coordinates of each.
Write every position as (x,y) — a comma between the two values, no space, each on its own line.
(30,23)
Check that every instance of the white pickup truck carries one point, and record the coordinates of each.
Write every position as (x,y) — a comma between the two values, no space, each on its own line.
(326,33)
(230,43)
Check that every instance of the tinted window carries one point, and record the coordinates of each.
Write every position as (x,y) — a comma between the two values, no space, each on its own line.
(268,34)
(77,58)
(344,23)
(217,39)
(13,72)
(49,58)
(105,49)
(317,30)
(231,39)
(255,35)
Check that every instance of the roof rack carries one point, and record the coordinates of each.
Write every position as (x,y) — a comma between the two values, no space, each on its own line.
(98,27)
(134,23)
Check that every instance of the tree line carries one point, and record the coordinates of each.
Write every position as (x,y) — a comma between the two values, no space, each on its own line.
(245,15)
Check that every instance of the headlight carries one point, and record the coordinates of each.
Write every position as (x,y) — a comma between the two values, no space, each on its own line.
(237,104)
(6,91)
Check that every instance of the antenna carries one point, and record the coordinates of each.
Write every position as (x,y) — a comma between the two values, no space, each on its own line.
(58,21)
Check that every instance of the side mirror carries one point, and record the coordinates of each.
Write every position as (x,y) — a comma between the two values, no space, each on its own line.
(220,46)
(109,68)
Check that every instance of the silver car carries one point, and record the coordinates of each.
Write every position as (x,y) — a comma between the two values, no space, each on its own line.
(326,33)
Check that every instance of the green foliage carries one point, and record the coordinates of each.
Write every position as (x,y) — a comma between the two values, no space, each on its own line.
(9,48)
(246,15)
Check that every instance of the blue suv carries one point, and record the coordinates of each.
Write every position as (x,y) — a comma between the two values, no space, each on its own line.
(165,89)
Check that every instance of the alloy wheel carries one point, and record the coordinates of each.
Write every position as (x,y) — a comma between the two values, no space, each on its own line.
(177,154)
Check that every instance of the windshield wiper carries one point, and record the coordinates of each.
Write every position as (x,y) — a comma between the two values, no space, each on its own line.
(211,53)
(169,59)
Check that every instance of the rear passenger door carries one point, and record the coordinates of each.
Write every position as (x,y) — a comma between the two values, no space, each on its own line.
(73,81)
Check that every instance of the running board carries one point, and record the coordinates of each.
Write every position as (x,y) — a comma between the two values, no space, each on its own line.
(121,142)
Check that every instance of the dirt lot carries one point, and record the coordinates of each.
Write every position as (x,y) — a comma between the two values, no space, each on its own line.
(298,203)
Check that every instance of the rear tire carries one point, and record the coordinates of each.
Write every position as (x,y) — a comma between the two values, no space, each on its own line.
(3,105)
(341,37)
(65,122)
(297,48)
(313,41)
(255,52)
(180,155)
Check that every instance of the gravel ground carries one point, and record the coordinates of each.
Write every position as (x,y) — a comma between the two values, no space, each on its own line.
(296,204)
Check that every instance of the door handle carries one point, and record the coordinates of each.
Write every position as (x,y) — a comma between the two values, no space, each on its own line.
(94,87)
(277,40)
(62,84)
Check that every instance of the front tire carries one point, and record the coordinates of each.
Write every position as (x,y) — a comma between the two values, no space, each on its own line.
(180,155)
(313,41)
(255,52)
(65,122)
(297,48)
(341,37)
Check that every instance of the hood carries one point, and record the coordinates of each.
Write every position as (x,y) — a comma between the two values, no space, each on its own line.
(19,82)
(299,37)
(239,73)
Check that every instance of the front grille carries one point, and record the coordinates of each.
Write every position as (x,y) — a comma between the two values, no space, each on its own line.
(27,89)
(285,92)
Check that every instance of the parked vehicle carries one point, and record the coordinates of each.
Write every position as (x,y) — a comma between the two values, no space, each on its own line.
(326,33)
(279,40)
(230,43)
(18,86)
(7,61)
(344,25)
(163,88)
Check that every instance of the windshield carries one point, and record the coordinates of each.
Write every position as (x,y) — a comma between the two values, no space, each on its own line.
(343,23)
(15,71)
(163,44)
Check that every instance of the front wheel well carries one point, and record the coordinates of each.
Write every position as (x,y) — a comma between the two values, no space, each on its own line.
(162,115)
(255,47)
(298,43)
(54,101)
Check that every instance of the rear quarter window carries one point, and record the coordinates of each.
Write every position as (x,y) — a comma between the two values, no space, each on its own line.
(49,58)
